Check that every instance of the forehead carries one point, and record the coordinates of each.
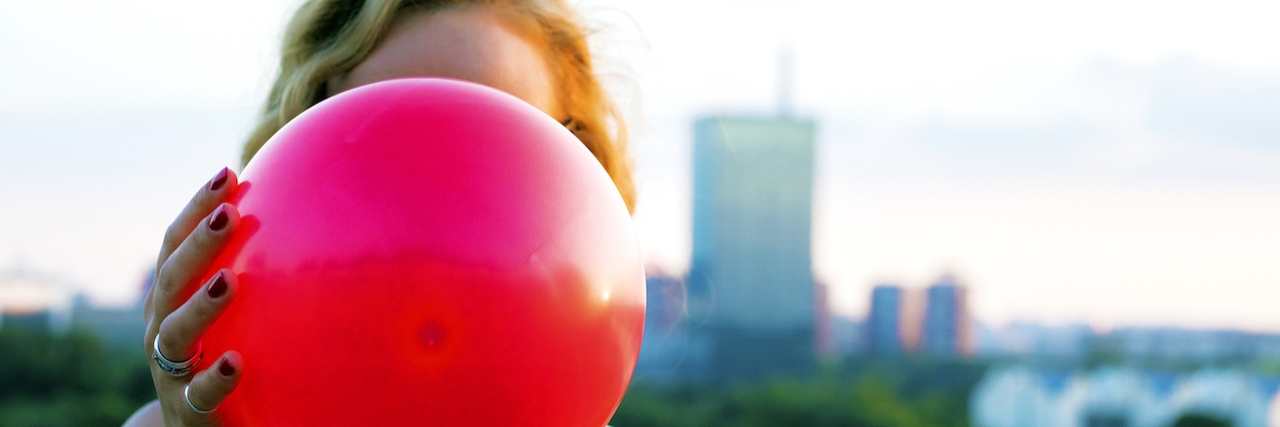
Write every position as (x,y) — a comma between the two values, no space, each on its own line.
(471,43)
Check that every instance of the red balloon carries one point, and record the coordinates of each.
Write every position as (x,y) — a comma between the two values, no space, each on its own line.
(429,252)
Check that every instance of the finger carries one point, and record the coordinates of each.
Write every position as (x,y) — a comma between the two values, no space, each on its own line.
(211,386)
(180,332)
(216,191)
(192,260)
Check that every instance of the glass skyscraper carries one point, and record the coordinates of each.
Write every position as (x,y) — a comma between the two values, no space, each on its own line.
(751,282)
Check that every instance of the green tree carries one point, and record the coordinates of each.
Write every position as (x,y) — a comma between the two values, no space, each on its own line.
(871,394)
(72,379)
(1200,420)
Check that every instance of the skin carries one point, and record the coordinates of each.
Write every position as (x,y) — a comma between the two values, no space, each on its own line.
(472,43)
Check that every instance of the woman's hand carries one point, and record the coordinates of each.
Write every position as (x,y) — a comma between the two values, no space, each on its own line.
(179,309)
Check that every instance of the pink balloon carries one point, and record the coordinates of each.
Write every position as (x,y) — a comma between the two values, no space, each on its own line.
(429,252)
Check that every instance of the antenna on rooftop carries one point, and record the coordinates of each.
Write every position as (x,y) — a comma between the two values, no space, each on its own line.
(786,79)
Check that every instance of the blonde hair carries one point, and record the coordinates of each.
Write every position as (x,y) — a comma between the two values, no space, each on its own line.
(328,38)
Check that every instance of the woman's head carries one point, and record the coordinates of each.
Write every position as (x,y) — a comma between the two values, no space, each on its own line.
(533,49)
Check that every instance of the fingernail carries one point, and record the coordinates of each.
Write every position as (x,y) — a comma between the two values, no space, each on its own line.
(219,220)
(226,369)
(218,287)
(218,180)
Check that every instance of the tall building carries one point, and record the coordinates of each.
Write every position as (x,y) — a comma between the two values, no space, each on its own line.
(893,323)
(884,321)
(751,282)
(947,330)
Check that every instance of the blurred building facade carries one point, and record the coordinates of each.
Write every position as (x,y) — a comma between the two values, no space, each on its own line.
(1139,346)
(1214,346)
(31,320)
(947,331)
(935,322)
(823,341)
(1066,342)
(848,335)
(892,325)
(884,321)
(750,280)
(113,325)
(667,352)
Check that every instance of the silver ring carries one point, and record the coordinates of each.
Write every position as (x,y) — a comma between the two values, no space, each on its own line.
(186,392)
(176,369)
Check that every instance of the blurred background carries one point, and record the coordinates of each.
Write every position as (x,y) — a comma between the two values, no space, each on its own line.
(993,214)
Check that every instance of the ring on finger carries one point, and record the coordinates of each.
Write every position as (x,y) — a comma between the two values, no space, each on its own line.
(186,393)
(176,369)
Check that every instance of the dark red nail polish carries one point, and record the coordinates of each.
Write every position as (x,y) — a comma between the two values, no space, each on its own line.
(218,287)
(219,220)
(226,369)
(218,180)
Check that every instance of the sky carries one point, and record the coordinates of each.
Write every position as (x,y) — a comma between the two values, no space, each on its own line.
(1116,163)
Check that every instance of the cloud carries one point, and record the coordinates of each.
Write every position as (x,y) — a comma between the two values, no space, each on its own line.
(1021,148)
(1177,120)
(1196,121)
(1218,105)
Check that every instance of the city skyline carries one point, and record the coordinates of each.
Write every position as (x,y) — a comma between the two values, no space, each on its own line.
(1127,177)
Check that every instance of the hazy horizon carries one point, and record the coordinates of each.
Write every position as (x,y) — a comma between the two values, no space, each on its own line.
(1114,163)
